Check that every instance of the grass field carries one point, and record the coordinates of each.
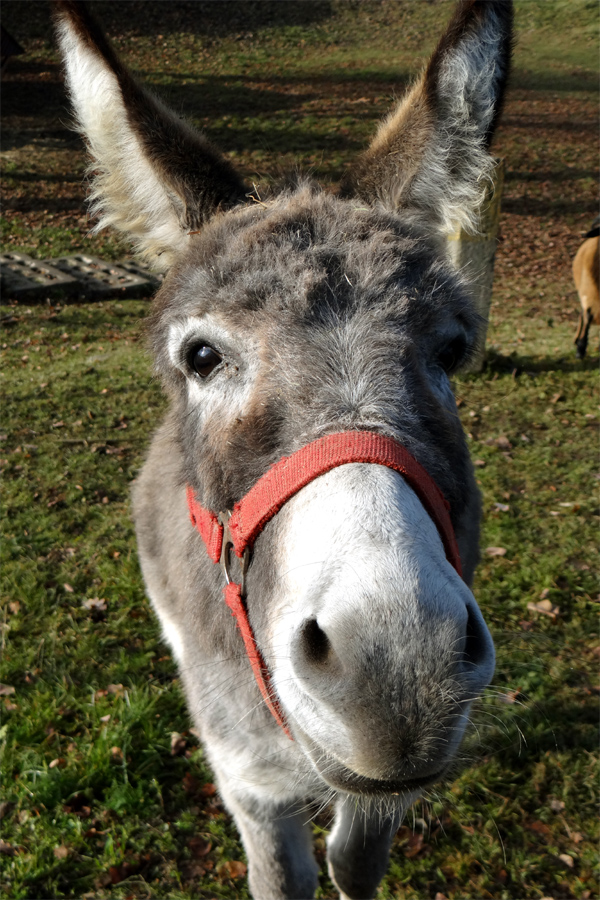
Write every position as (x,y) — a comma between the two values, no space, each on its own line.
(105,792)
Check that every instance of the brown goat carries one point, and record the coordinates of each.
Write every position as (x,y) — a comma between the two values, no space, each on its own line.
(586,267)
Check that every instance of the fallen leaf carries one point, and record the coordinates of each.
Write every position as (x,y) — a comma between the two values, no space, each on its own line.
(8,849)
(501,507)
(557,805)
(178,743)
(190,783)
(416,845)
(495,551)
(192,869)
(116,754)
(68,588)
(510,696)
(233,868)
(208,790)
(544,593)
(539,827)
(78,805)
(199,847)
(94,603)
(116,874)
(58,763)
(6,807)
(557,397)
(568,860)
(546,608)
(14,607)
(480,463)
(6,689)
(105,718)
(62,852)
(116,689)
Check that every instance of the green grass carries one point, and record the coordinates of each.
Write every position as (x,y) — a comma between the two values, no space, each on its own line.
(95,803)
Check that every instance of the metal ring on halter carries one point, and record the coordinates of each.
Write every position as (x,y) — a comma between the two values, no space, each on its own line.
(226,548)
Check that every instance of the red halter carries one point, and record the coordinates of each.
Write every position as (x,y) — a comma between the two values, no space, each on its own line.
(240,528)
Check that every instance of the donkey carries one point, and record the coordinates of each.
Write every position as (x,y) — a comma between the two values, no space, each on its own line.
(311,476)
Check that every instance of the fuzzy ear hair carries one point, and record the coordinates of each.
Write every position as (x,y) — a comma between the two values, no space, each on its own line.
(154,177)
(431,153)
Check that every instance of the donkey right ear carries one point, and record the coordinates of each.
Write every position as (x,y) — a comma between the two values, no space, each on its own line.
(431,153)
(155,178)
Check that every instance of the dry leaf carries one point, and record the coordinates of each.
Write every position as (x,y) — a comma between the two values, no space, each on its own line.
(14,607)
(116,753)
(546,608)
(199,847)
(68,588)
(495,551)
(234,868)
(190,783)
(178,743)
(568,860)
(8,849)
(557,805)
(58,763)
(510,696)
(6,807)
(192,870)
(416,845)
(94,603)
(501,507)
(105,718)
(62,852)
(116,689)
(6,689)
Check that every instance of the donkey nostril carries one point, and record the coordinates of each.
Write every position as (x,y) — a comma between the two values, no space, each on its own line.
(315,642)
(475,643)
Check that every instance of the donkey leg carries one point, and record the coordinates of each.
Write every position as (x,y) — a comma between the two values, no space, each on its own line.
(278,844)
(358,850)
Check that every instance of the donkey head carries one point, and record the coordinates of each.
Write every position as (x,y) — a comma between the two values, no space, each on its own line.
(287,317)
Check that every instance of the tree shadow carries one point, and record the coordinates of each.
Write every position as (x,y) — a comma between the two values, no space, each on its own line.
(215,18)
(517,364)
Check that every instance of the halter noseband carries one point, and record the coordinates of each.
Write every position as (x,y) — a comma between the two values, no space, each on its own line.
(239,528)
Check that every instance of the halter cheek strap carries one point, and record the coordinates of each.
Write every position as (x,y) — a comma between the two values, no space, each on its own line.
(239,529)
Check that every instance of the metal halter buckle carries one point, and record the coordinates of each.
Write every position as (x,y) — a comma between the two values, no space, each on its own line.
(226,548)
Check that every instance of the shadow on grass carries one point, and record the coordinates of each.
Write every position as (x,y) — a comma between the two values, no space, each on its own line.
(146,17)
(516,364)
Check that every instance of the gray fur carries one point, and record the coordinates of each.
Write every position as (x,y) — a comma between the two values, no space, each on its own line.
(330,313)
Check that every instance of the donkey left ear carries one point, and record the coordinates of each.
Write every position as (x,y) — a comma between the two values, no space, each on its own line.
(154,177)
(430,154)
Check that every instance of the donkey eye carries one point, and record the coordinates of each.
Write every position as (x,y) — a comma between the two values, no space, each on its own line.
(453,354)
(204,359)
